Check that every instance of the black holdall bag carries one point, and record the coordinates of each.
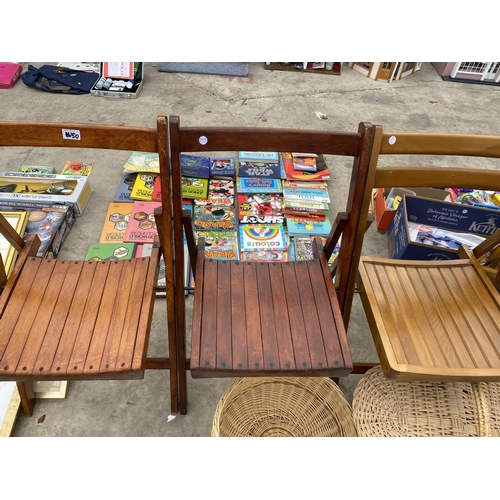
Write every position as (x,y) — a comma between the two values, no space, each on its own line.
(59,80)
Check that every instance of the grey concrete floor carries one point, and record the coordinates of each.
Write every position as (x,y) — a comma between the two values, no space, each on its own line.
(421,102)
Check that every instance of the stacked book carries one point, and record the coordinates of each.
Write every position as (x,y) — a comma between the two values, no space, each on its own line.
(262,230)
(306,201)
(214,215)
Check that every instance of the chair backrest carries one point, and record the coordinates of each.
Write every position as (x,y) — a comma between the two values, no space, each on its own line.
(433,149)
(224,139)
(125,138)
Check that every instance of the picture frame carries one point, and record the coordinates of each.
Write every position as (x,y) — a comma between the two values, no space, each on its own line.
(18,220)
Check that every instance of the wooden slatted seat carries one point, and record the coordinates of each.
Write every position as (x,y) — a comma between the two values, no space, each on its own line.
(263,319)
(259,318)
(435,320)
(85,320)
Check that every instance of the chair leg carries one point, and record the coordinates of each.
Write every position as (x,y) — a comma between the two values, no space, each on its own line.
(27,396)
(182,377)
(174,370)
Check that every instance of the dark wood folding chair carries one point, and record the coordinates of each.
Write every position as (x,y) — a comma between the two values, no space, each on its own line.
(264,319)
(435,320)
(76,320)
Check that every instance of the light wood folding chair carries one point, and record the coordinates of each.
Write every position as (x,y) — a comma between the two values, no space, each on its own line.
(76,320)
(440,319)
(263,319)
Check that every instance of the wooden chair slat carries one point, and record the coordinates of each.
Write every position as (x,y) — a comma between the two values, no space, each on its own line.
(127,346)
(198,306)
(310,315)
(18,296)
(223,341)
(208,354)
(296,318)
(27,316)
(148,301)
(327,321)
(118,314)
(286,353)
(252,317)
(61,363)
(78,356)
(40,328)
(267,322)
(109,300)
(238,320)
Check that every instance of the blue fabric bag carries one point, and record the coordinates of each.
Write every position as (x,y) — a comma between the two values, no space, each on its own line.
(59,80)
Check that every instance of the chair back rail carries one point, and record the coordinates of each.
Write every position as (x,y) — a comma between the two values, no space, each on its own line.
(90,136)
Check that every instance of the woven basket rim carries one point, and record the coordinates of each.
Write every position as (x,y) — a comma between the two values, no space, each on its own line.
(310,389)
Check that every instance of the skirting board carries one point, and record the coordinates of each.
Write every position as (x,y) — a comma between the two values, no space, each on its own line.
(206,68)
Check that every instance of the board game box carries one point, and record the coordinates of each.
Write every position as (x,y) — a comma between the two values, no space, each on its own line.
(265,208)
(110,251)
(141,227)
(224,167)
(262,237)
(195,166)
(35,190)
(142,162)
(125,187)
(115,222)
(143,186)
(221,245)
(214,217)
(52,225)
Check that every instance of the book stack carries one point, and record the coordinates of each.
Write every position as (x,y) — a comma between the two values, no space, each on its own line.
(306,201)
(213,206)
(261,220)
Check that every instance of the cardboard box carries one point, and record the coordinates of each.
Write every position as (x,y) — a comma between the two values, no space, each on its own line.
(31,190)
(451,216)
(9,74)
(131,92)
(384,215)
(52,225)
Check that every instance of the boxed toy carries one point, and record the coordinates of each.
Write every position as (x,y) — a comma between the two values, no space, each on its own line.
(384,201)
(119,80)
(459,219)
(9,74)
(52,225)
(31,190)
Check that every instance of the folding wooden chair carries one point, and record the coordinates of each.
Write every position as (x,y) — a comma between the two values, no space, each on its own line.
(76,320)
(263,319)
(439,319)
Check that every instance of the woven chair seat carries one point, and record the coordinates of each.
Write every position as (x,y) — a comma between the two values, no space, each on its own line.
(283,407)
(383,407)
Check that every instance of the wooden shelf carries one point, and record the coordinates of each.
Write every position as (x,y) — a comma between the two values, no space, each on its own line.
(279,67)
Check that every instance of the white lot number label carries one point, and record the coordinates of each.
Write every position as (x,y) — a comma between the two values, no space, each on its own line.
(73,135)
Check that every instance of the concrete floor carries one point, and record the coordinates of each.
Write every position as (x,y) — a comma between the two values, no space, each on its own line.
(421,102)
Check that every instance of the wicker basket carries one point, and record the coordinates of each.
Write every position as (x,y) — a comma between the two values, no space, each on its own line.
(280,407)
(383,407)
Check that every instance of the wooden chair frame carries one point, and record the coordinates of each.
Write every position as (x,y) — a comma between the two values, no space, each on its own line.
(205,139)
(431,144)
(127,138)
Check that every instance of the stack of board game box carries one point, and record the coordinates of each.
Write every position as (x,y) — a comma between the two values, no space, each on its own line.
(46,200)
(129,227)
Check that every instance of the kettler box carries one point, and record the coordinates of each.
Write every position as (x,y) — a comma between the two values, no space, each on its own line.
(119,80)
